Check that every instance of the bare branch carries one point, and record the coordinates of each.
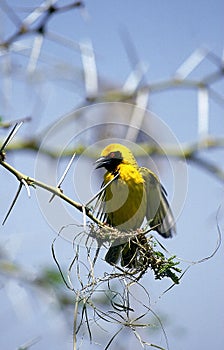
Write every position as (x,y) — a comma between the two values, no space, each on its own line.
(32,182)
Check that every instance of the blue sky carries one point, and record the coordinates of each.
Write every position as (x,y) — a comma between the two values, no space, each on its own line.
(164,34)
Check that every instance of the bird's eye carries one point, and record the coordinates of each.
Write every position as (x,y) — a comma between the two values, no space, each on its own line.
(115,155)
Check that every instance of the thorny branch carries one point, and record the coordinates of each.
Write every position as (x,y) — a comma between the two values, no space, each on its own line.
(54,190)
(40,15)
(85,295)
(147,256)
(88,310)
(189,152)
(27,181)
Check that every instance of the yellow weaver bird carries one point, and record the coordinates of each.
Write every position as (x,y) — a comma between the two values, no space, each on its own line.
(135,194)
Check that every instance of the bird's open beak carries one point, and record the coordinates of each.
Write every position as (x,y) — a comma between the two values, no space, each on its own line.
(102,162)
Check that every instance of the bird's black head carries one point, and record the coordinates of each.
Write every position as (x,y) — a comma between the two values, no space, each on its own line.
(110,161)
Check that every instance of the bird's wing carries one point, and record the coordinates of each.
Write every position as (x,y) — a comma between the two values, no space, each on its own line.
(158,211)
(99,208)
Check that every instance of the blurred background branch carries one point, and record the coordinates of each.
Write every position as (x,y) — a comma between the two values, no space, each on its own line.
(62,59)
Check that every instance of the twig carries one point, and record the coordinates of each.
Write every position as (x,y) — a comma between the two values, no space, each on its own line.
(35,183)
(192,263)
(68,285)
(75,320)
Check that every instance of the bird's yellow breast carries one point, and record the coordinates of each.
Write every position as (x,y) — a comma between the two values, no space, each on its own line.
(125,198)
